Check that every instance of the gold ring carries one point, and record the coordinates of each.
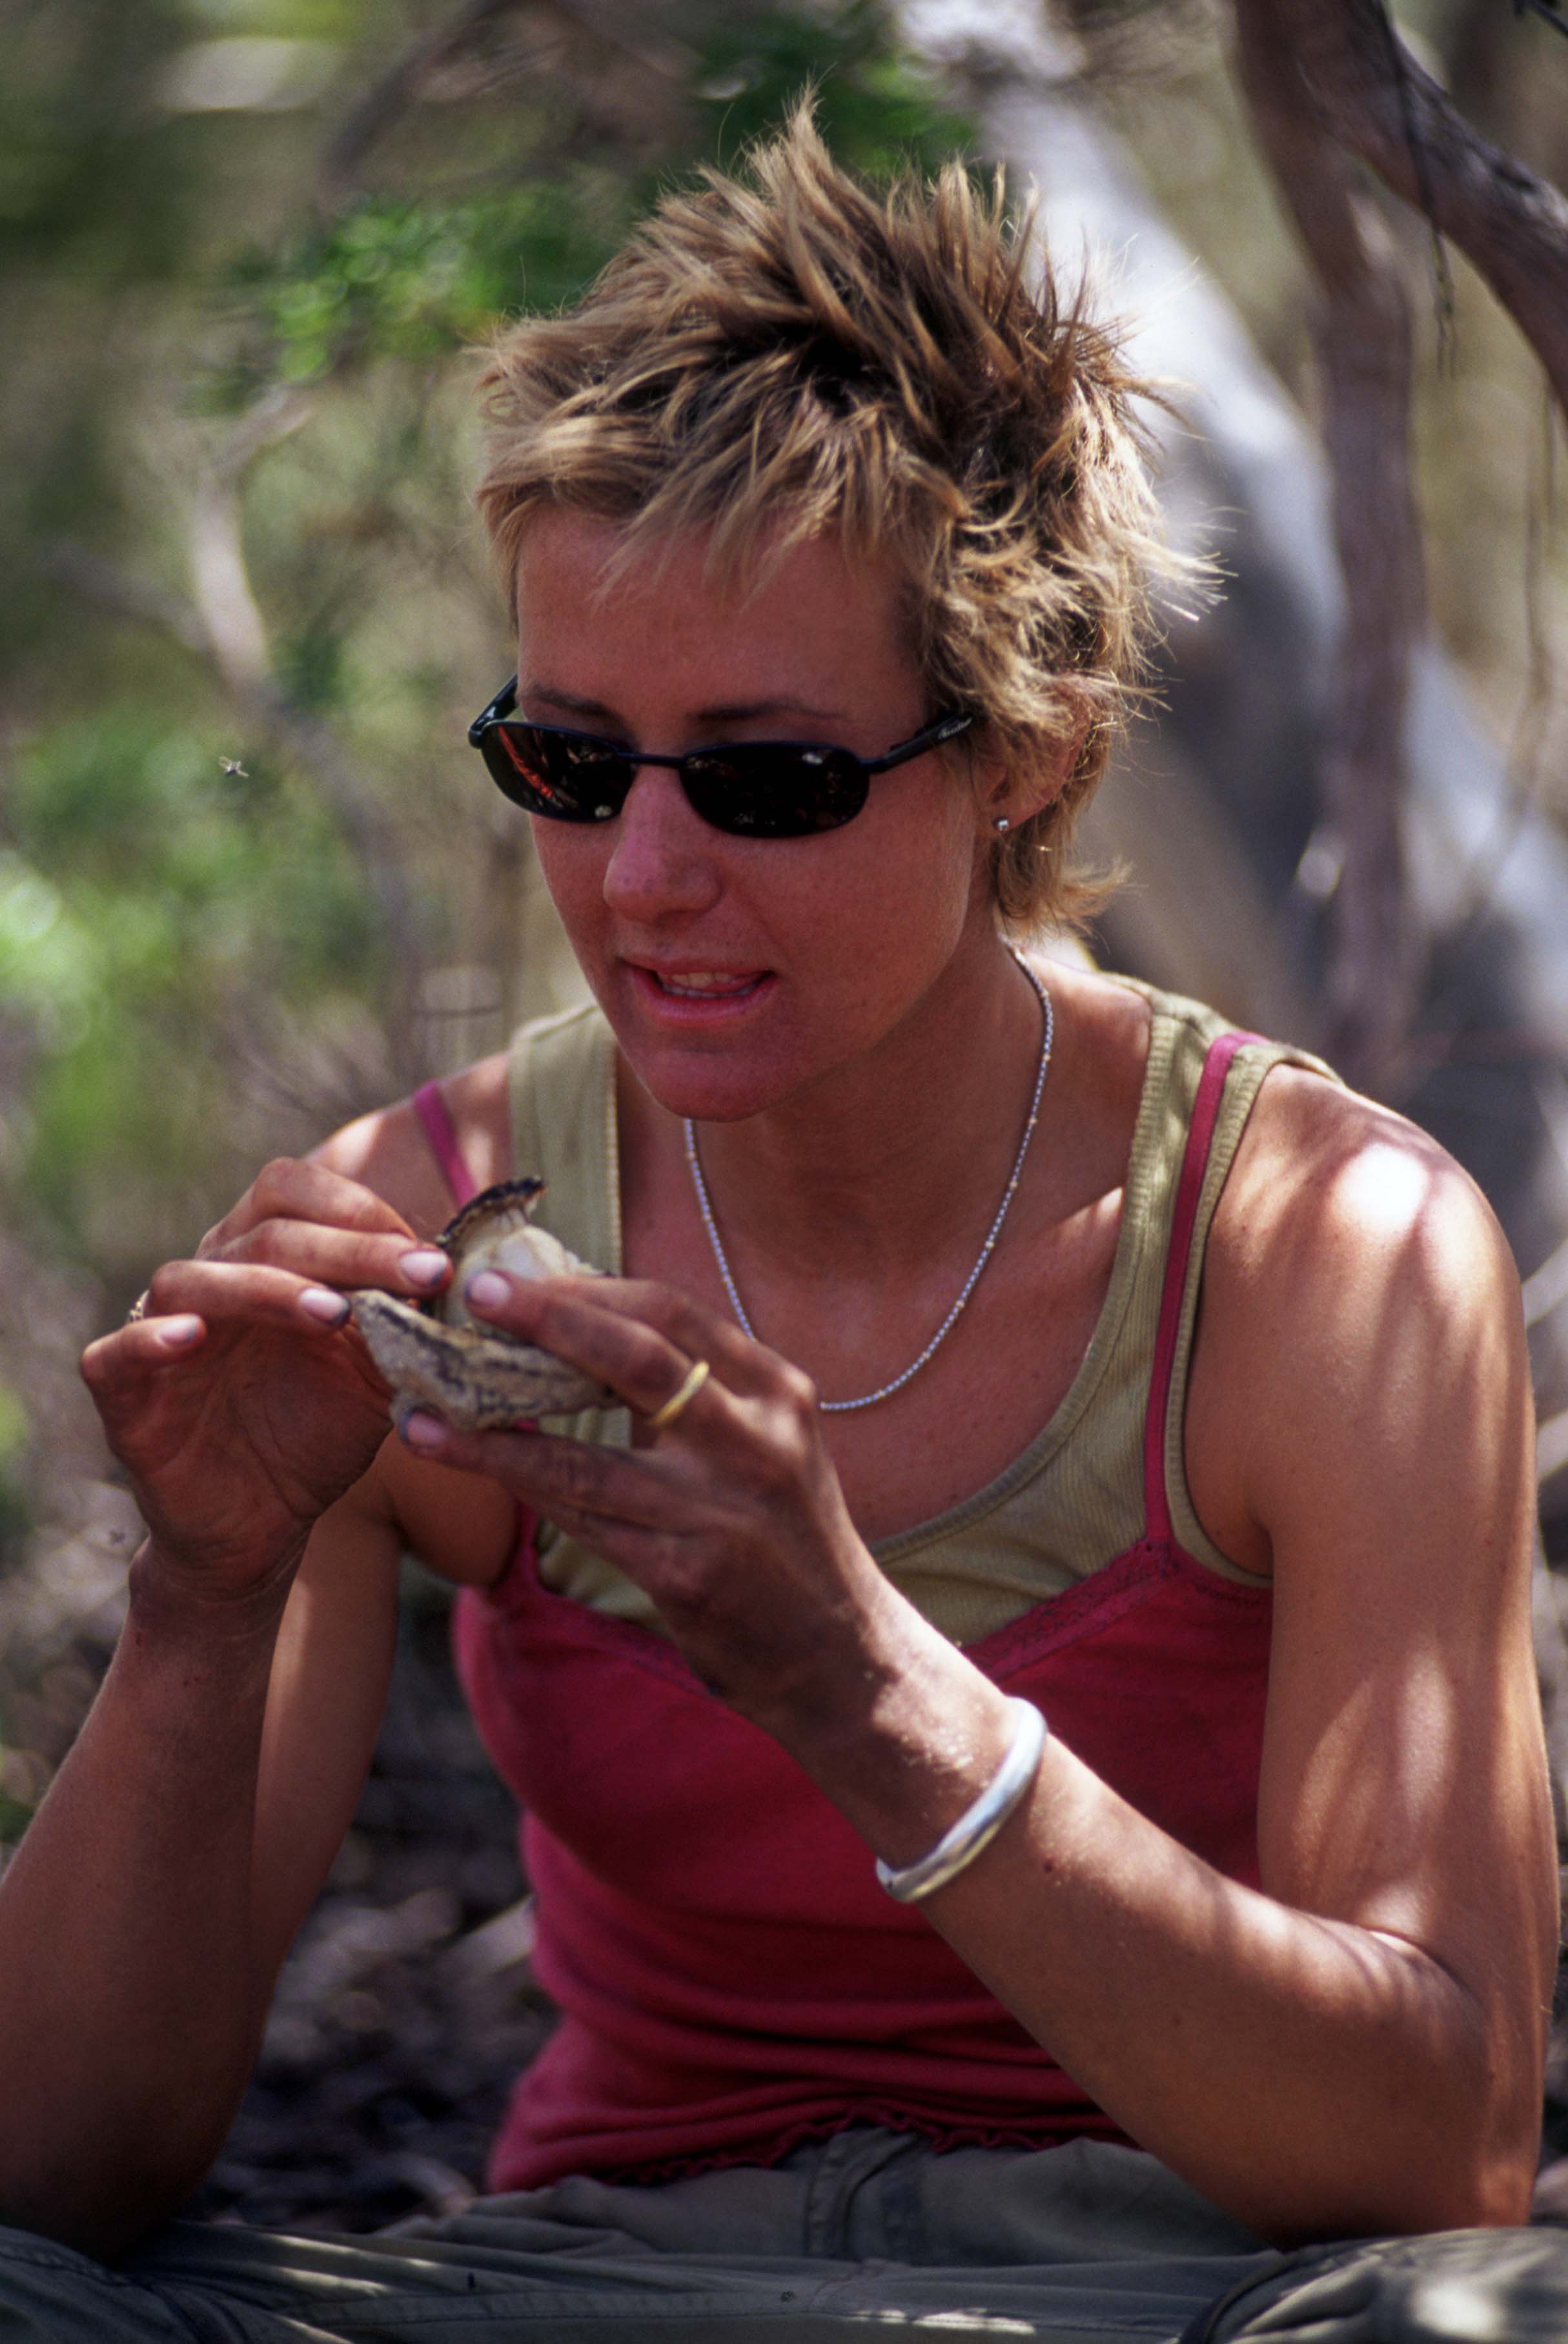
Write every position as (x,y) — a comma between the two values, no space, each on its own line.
(139,1308)
(698,1376)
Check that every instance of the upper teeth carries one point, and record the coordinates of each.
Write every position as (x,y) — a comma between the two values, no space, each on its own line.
(703,981)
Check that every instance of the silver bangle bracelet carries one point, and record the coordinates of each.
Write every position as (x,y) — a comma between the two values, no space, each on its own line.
(979,1824)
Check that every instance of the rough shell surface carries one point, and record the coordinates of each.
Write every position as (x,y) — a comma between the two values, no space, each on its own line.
(437,1358)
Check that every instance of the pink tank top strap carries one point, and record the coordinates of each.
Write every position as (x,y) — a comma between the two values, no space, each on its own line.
(1183,1221)
(436,1117)
(430,1106)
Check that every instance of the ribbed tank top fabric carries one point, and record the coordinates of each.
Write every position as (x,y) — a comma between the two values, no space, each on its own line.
(1074,1497)
(730,1979)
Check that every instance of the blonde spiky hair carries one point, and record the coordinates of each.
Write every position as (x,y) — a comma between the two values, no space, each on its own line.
(786,353)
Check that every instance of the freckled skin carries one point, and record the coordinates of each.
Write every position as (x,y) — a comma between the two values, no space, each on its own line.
(852,927)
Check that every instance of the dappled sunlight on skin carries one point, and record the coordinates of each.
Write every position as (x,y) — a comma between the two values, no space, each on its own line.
(1387,1187)
(1391,1765)
(1357,1419)
(1375,1776)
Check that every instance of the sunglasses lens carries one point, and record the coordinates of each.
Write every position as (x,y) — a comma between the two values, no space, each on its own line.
(567,776)
(760,791)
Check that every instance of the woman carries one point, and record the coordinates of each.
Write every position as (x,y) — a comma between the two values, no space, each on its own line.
(1180,1395)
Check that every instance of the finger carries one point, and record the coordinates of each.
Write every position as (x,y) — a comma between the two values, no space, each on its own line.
(338,1257)
(293,1188)
(147,1344)
(640,1547)
(641,1365)
(744,1364)
(622,1328)
(221,1292)
(592,1483)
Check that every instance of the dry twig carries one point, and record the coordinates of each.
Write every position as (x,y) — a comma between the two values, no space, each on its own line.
(391,93)
(1508,221)
(447,42)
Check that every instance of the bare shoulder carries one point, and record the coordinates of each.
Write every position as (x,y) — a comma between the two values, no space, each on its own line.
(389,1151)
(1360,1356)
(1328,1184)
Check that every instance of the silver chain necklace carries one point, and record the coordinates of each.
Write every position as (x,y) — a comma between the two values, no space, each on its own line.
(886,1391)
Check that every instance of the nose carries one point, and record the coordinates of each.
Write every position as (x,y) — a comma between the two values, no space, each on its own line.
(663,860)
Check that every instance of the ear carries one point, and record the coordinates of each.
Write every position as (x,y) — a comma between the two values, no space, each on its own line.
(1007,799)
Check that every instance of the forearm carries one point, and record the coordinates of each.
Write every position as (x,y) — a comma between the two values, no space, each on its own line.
(1314,2077)
(129,2006)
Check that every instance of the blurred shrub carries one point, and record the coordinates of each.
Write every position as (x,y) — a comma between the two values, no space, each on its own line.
(251,879)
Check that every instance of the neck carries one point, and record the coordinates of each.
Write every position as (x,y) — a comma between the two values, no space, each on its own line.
(898,1156)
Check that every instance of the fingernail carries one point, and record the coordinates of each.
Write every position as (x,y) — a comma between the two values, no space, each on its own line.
(427,1266)
(175,1333)
(487,1290)
(422,1430)
(320,1302)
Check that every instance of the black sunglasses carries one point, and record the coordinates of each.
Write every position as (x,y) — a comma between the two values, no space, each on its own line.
(752,789)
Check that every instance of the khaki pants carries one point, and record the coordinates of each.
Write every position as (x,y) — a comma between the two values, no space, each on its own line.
(869,2231)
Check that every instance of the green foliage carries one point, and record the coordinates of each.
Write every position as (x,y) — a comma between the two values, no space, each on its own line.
(163,920)
(877,110)
(15,1818)
(15,1512)
(147,893)
(82,183)
(391,278)
(416,278)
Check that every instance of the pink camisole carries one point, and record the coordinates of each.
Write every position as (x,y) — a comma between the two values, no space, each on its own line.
(731,1980)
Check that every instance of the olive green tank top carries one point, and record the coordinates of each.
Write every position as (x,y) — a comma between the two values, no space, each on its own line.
(1073,1500)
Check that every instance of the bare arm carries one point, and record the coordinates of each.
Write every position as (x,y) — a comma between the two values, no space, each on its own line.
(138,1970)
(1356,2047)
(144,1918)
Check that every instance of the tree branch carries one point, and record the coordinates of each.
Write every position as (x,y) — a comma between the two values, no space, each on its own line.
(395,90)
(1508,221)
(1363,342)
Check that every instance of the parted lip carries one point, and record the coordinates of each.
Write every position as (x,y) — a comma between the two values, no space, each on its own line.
(683,972)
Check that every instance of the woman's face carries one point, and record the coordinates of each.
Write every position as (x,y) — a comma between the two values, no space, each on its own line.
(738,973)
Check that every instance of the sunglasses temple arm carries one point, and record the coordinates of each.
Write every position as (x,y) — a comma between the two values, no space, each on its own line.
(946,728)
(504,701)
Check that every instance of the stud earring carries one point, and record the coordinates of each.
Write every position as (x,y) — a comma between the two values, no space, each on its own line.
(1000,824)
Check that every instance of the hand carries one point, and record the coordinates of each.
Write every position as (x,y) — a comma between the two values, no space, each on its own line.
(242,1403)
(731,1517)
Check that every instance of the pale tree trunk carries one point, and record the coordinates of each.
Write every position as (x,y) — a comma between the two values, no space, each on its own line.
(1361,336)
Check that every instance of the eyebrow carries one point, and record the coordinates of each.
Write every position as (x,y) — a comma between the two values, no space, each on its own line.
(727,712)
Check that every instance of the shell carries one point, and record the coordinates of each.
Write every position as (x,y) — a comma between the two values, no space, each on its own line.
(434,1355)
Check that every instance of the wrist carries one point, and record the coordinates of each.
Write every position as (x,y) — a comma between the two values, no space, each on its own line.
(982,1821)
(171,1598)
(903,1734)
